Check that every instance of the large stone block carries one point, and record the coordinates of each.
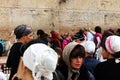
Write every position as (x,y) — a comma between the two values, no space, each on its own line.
(9,3)
(22,16)
(27,3)
(5,22)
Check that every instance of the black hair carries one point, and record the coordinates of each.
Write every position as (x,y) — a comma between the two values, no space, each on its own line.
(40,32)
(79,36)
(116,55)
(78,50)
(98,29)
(118,31)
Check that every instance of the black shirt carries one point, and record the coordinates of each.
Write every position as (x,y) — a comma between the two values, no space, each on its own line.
(14,58)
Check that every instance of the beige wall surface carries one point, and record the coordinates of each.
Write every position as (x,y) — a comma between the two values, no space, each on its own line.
(60,15)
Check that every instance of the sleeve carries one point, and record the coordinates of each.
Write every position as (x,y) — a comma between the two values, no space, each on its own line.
(2,76)
(14,56)
(99,41)
(9,60)
(91,76)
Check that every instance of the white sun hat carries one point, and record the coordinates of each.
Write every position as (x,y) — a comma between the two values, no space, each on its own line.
(41,60)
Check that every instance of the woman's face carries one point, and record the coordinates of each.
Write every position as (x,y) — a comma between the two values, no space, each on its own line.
(77,62)
(29,37)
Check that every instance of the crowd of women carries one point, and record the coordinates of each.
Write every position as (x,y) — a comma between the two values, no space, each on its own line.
(86,55)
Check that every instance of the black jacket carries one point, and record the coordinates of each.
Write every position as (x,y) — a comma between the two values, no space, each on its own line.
(13,60)
(63,73)
(107,70)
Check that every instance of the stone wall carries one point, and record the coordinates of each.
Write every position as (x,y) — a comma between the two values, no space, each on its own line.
(61,15)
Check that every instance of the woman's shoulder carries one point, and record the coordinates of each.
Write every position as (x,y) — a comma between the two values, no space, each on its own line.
(86,74)
(62,71)
(57,75)
(17,47)
(17,44)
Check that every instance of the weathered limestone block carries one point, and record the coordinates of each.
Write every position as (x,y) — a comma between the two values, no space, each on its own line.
(5,20)
(27,3)
(42,19)
(47,3)
(9,3)
(110,5)
(22,16)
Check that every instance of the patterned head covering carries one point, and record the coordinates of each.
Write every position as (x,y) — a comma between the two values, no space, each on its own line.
(22,30)
(112,44)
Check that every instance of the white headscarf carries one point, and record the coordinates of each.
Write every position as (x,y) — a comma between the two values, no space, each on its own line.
(112,44)
(89,47)
(41,60)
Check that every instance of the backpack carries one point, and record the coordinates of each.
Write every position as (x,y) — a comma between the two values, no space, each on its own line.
(3,45)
